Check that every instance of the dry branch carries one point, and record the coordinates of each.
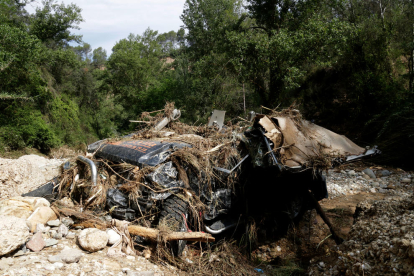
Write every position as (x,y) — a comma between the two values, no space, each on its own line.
(153,234)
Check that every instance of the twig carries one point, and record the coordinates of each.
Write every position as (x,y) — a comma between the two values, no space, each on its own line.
(133,121)
(243,119)
(323,241)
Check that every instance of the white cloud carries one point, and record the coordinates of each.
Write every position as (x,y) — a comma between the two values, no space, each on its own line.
(108,21)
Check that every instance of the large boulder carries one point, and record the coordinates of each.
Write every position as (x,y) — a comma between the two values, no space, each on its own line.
(92,239)
(40,215)
(13,234)
(21,207)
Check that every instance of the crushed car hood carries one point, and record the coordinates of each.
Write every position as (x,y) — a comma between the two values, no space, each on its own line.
(136,152)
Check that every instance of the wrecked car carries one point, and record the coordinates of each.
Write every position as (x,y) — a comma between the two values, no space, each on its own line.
(210,178)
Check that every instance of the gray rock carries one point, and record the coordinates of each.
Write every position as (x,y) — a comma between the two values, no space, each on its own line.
(370,173)
(13,234)
(382,191)
(63,230)
(68,222)
(54,223)
(385,173)
(406,180)
(92,239)
(375,184)
(50,242)
(70,255)
(113,237)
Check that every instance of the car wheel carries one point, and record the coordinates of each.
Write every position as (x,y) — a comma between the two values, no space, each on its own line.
(174,213)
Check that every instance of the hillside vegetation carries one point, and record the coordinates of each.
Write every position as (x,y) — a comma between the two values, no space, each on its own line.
(348,64)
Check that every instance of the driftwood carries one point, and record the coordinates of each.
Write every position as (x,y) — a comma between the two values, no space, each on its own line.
(87,220)
(153,234)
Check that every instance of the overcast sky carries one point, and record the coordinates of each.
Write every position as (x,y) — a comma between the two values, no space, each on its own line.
(108,21)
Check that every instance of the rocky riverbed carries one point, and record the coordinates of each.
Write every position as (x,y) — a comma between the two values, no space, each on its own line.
(381,241)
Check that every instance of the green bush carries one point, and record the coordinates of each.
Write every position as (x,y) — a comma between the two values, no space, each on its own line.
(24,127)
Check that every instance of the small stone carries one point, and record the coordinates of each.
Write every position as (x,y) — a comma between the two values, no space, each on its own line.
(50,242)
(68,222)
(70,255)
(63,230)
(278,248)
(321,264)
(365,176)
(53,223)
(40,227)
(54,258)
(351,173)
(370,173)
(57,236)
(113,237)
(373,190)
(19,253)
(58,265)
(50,267)
(92,239)
(71,235)
(406,180)
(36,243)
(375,184)
(385,173)
(391,186)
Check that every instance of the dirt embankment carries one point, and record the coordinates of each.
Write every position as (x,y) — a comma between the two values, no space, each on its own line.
(18,176)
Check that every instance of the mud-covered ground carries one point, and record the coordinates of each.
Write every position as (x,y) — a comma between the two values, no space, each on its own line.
(380,242)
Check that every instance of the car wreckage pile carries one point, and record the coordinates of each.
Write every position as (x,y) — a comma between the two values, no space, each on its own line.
(174,181)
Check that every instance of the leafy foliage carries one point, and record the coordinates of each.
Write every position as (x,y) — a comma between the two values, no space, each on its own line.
(349,64)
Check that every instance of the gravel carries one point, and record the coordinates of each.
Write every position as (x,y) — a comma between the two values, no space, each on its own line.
(381,241)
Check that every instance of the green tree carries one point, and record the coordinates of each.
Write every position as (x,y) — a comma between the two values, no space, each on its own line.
(99,57)
(53,23)
(134,68)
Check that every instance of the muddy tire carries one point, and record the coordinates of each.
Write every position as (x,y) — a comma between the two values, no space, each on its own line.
(174,212)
